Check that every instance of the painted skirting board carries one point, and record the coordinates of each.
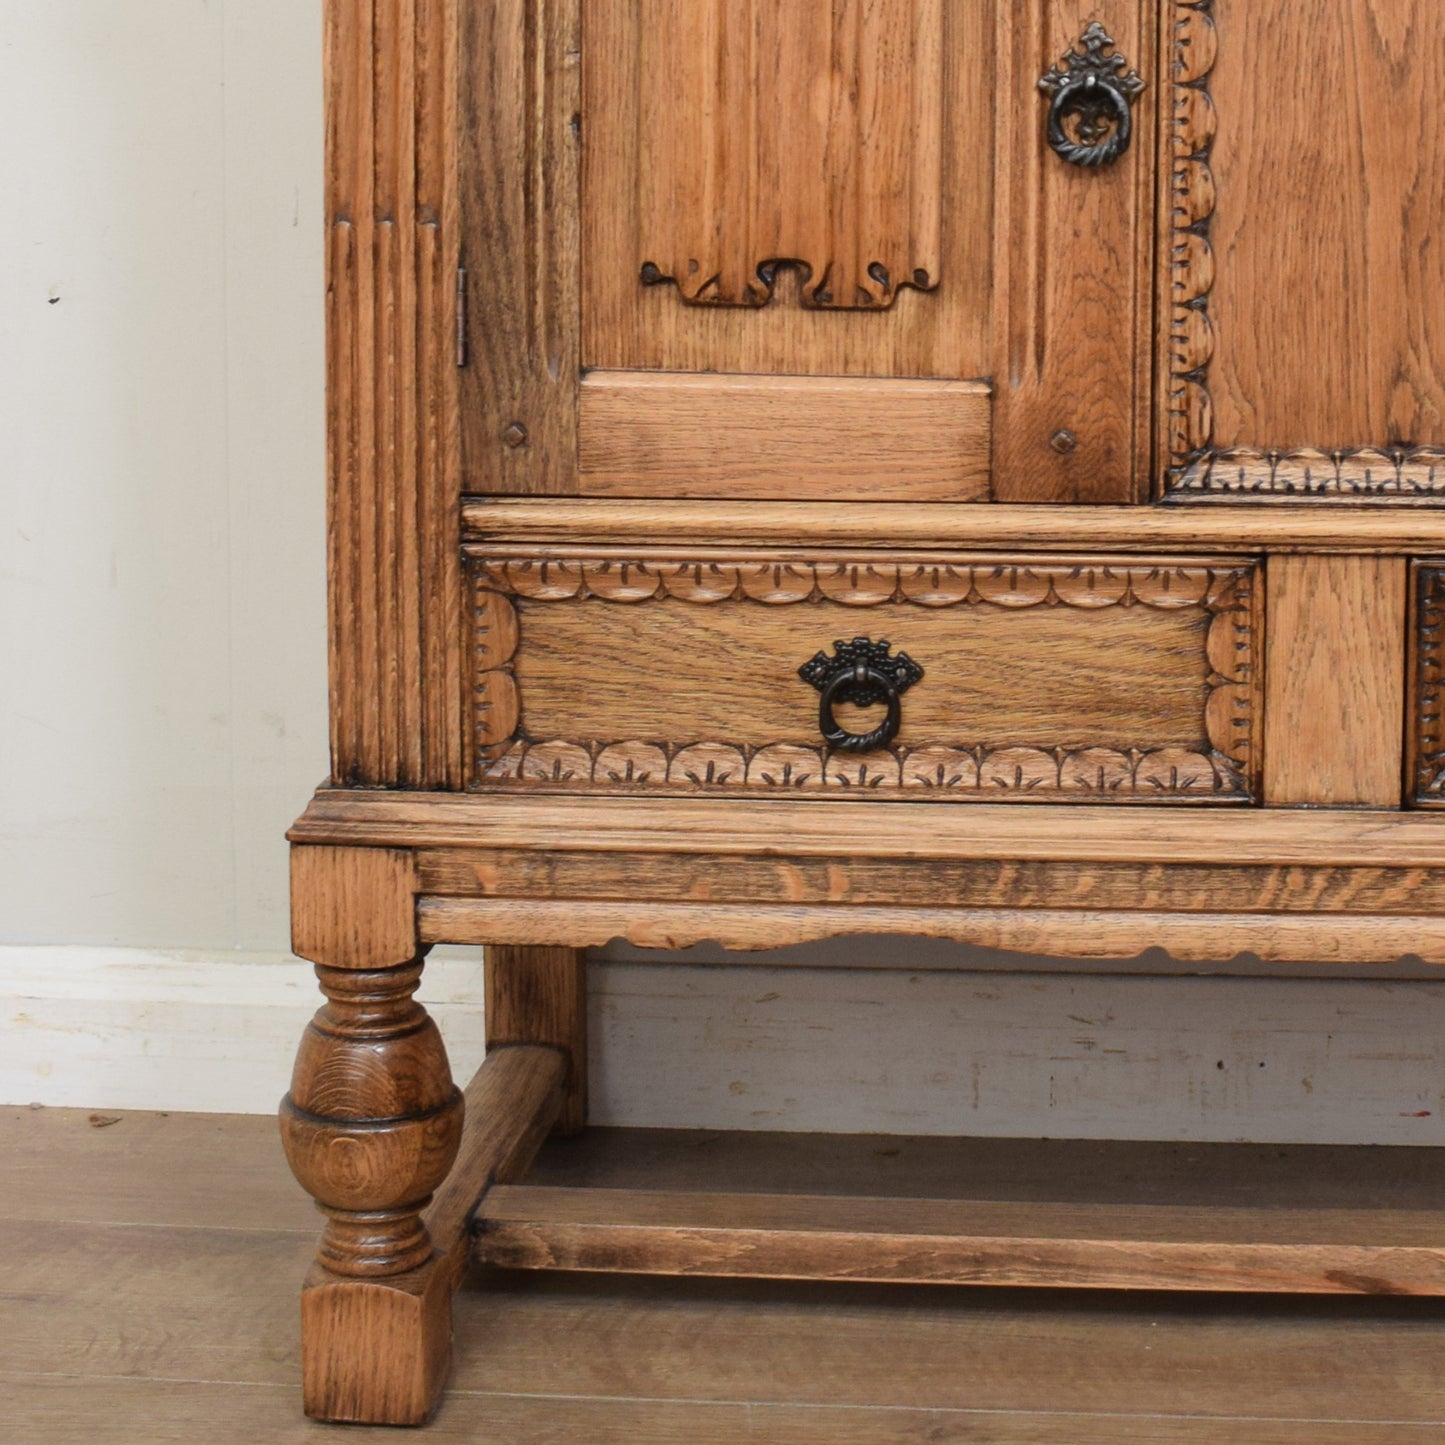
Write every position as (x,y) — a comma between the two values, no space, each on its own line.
(900,1050)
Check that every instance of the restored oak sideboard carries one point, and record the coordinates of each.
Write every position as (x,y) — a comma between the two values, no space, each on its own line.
(970,468)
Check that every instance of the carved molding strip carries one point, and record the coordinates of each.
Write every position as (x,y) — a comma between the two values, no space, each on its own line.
(1191,257)
(778,135)
(1428,686)
(1084,773)
(1389,474)
(1225,772)
(869,582)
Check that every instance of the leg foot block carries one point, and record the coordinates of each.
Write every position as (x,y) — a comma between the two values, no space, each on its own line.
(376,1352)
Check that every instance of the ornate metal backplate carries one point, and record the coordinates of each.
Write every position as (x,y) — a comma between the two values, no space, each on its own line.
(1092,91)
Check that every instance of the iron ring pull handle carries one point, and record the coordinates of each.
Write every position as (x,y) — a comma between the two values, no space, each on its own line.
(1100,89)
(859,672)
(879,688)
(1089,91)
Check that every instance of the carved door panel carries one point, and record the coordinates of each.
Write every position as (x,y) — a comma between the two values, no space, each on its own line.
(809,248)
(1303,265)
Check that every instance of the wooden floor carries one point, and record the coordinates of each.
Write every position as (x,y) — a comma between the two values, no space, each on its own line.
(149,1267)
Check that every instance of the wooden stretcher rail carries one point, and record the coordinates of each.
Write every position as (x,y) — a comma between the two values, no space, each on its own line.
(511,1104)
(929,1241)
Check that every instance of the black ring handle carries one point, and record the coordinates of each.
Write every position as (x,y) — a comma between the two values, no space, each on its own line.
(879,687)
(1094,82)
(1090,90)
(861,672)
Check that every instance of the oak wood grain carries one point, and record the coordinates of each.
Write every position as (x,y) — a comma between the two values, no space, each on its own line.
(1202,937)
(1081,833)
(519,169)
(1328,335)
(352,907)
(696,434)
(393,480)
(518,873)
(804,136)
(1101,1246)
(1073,260)
(1042,678)
(1179,530)
(837,182)
(511,1103)
(539,996)
(1335,681)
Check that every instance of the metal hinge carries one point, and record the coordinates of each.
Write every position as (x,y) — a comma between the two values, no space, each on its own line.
(461,315)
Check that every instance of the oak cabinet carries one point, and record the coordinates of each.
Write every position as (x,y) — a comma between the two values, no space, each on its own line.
(968,468)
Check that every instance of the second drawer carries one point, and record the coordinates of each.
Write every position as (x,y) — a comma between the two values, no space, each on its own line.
(1050,678)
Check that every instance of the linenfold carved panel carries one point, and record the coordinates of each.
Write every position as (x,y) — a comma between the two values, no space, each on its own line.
(775,133)
(1219,764)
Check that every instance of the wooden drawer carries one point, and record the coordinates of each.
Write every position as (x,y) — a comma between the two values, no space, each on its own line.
(1090,679)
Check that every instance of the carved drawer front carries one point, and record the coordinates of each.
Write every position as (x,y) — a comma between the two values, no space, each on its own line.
(1006,677)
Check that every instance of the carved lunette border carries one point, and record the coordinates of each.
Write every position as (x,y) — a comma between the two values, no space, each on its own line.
(1393,474)
(1196,469)
(1193,44)
(1427,686)
(1225,772)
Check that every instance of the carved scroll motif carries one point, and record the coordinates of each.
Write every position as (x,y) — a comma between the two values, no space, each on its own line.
(1223,771)
(778,134)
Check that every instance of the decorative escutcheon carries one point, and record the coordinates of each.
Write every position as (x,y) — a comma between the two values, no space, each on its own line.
(1090,123)
(860,672)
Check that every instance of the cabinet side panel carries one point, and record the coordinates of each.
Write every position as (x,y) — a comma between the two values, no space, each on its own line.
(520,158)
(1308,266)
(396,665)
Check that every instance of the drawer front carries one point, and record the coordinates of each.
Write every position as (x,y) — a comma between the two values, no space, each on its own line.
(1094,680)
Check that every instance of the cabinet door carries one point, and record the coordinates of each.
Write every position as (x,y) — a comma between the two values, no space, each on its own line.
(809,249)
(1304,269)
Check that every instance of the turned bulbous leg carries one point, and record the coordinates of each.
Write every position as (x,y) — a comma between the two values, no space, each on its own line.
(371,1127)
(373,1121)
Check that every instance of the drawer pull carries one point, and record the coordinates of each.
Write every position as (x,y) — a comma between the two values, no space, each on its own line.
(860,672)
(1094,89)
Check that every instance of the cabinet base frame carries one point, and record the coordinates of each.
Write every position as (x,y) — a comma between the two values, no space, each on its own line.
(373,1125)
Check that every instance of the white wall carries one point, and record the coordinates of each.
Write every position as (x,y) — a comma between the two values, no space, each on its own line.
(162,709)
(161,542)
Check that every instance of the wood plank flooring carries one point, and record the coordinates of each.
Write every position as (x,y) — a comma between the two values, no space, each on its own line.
(149,1268)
